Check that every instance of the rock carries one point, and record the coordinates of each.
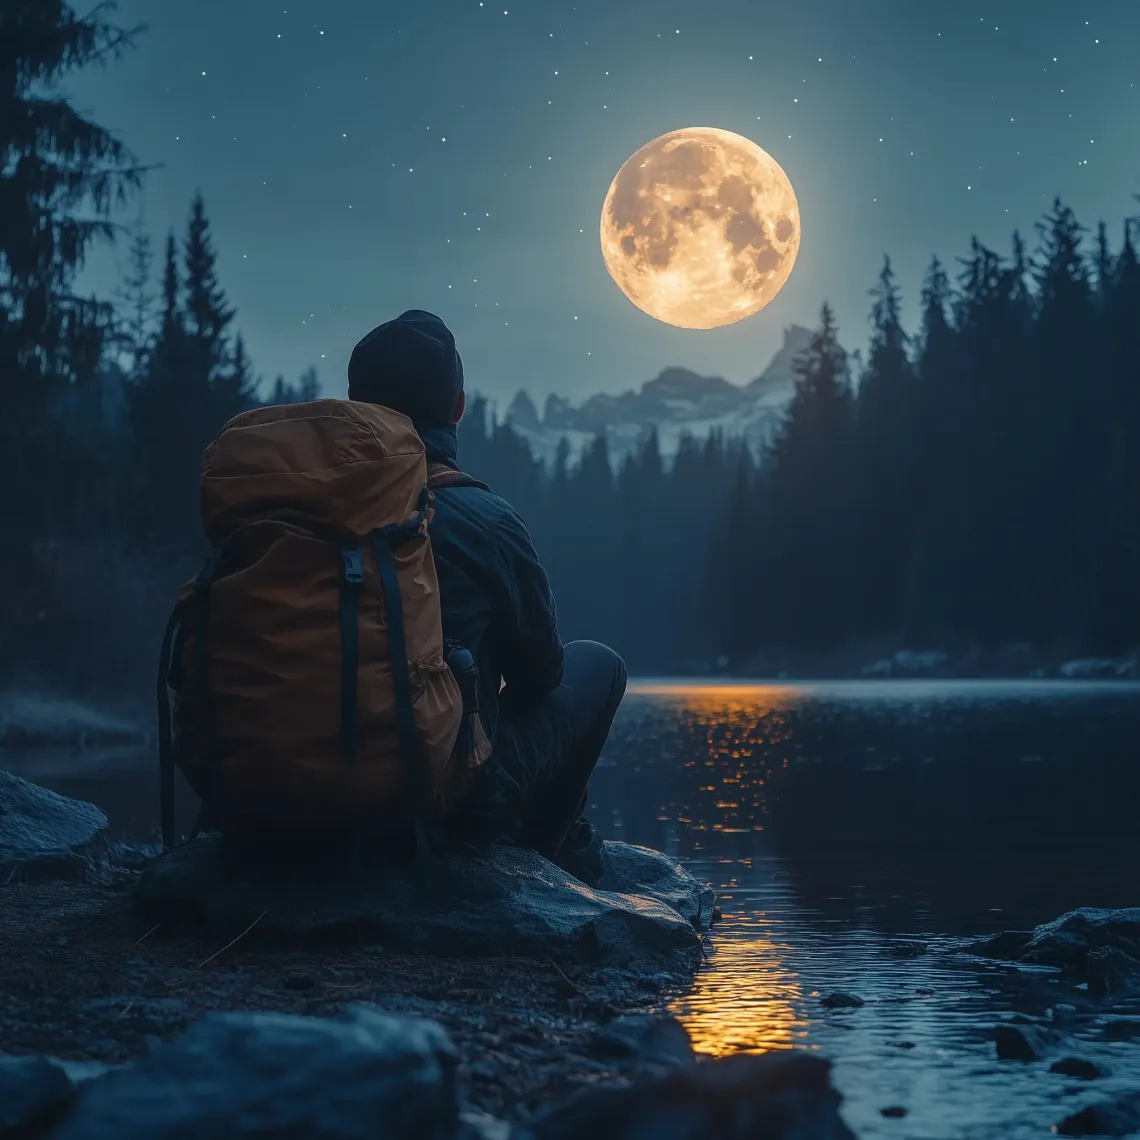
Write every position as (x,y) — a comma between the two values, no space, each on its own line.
(1025,1042)
(644,1039)
(906,948)
(1122,1030)
(777,1096)
(632,870)
(1076,1067)
(480,1126)
(842,1000)
(355,1077)
(1100,948)
(1119,1117)
(509,902)
(44,835)
(34,1094)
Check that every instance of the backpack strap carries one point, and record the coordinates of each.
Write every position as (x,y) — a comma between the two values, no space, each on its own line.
(165,740)
(195,612)
(440,475)
(384,544)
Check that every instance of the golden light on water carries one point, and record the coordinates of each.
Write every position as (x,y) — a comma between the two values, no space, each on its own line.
(747,1000)
(755,699)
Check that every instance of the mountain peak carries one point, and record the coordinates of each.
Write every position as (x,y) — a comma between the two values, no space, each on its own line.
(522,410)
(684,384)
(781,368)
(678,401)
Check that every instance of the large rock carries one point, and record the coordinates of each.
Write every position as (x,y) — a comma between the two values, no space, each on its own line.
(1118,1117)
(34,1093)
(508,902)
(357,1077)
(644,1041)
(1095,946)
(42,834)
(1026,1042)
(778,1096)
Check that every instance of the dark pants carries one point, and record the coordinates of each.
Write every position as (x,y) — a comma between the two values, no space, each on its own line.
(533,788)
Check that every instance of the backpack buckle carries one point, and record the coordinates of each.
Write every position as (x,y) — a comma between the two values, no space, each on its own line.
(352,564)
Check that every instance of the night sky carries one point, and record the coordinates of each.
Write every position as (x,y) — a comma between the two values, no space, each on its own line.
(360,157)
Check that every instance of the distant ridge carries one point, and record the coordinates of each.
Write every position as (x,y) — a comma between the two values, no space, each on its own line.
(676,402)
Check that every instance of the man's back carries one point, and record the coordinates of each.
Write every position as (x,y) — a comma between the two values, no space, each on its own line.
(550,720)
(494,594)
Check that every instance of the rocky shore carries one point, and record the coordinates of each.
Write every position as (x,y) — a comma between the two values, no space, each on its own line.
(188,996)
(205,993)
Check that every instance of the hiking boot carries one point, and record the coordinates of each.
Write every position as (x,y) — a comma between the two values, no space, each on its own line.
(580,853)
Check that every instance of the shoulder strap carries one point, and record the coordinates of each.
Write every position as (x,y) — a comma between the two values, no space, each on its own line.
(440,475)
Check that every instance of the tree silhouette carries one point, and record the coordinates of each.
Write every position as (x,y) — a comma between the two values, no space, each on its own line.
(61,174)
(884,464)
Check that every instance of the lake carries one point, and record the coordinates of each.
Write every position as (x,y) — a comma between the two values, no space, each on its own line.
(858,834)
(839,822)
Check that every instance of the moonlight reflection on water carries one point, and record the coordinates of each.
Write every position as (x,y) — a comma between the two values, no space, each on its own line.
(856,834)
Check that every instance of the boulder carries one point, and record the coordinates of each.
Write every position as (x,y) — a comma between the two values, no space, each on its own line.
(42,834)
(777,1096)
(1026,1042)
(1077,1067)
(1094,946)
(34,1093)
(1118,1117)
(644,1040)
(1122,1029)
(355,1077)
(631,870)
(842,1000)
(508,902)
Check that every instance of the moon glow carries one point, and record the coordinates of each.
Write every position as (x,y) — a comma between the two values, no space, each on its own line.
(700,228)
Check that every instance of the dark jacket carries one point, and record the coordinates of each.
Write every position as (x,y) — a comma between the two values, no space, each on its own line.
(495,595)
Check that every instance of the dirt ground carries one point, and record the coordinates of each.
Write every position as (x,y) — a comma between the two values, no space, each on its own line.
(81,980)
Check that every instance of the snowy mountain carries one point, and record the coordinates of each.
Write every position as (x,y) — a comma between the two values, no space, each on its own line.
(675,403)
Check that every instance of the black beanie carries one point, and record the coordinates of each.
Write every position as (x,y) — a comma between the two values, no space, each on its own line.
(411,366)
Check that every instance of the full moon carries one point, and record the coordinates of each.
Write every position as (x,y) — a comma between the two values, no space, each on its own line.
(700,228)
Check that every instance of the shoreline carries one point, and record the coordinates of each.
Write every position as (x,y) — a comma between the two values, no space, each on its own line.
(80,981)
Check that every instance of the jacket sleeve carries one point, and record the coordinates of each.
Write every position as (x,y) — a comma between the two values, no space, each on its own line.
(532,657)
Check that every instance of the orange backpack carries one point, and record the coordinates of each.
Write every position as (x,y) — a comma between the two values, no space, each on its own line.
(311,686)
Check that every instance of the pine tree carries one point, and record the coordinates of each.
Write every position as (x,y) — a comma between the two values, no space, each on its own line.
(61,174)
(234,387)
(1069,441)
(138,301)
(164,413)
(883,473)
(736,596)
(281,393)
(308,386)
(805,563)
(1115,607)
(208,315)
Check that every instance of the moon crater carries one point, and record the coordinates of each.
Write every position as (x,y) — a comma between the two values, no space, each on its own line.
(700,228)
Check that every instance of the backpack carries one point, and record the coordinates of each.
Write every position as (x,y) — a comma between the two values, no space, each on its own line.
(312,690)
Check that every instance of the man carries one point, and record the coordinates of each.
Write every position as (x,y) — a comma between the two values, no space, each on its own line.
(549,722)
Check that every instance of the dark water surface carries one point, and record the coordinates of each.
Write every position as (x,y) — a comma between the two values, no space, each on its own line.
(839,820)
(844,826)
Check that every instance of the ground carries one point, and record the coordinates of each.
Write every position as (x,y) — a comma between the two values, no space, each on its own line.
(80,980)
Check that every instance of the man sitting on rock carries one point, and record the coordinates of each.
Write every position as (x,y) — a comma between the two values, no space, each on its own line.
(546,708)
